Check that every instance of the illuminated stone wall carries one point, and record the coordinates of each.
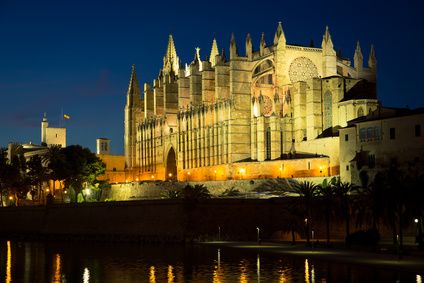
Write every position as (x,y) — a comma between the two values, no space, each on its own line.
(262,106)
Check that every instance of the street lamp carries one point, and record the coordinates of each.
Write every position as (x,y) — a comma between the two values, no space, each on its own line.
(242,171)
(258,234)
(188,176)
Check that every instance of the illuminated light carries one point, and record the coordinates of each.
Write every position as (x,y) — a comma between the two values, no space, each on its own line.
(153,176)
(152,276)
(188,173)
(86,275)
(58,272)
(416,220)
(258,267)
(170,175)
(11,198)
(306,271)
(65,191)
(419,279)
(306,220)
(136,179)
(9,263)
(242,170)
(126,181)
(171,275)
(88,192)
(243,273)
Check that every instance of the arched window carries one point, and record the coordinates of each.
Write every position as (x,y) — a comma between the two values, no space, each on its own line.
(328,110)
(268,144)
(360,112)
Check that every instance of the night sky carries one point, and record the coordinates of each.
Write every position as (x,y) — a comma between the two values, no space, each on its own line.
(77,55)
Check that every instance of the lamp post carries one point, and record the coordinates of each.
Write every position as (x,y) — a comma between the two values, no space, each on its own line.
(258,235)
(188,176)
(219,233)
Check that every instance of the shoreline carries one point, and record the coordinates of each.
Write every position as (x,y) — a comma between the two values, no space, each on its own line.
(383,260)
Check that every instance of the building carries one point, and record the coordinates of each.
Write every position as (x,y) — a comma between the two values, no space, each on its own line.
(270,112)
(376,141)
(52,136)
(115,164)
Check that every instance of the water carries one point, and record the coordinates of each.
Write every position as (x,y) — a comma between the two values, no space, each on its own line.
(98,262)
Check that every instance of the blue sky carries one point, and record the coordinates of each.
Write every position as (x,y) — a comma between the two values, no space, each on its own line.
(77,55)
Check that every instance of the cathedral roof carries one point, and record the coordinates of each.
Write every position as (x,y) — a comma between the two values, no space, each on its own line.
(362,90)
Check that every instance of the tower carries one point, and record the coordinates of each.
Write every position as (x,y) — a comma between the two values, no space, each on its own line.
(329,59)
(358,59)
(44,126)
(133,115)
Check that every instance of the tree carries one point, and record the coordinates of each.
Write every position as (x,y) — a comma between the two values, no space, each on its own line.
(55,160)
(307,192)
(37,174)
(344,191)
(4,168)
(82,167)
(327,192)
(17,180)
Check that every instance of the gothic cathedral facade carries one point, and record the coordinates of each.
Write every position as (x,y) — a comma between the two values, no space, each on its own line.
(246,116)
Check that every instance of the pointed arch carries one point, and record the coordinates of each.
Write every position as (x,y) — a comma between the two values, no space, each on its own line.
(171,165)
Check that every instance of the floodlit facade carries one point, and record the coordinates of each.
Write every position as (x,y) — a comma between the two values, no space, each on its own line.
(386,137)
(261,113)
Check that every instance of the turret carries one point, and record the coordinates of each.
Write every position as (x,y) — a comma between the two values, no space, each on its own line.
(262,45)
(171,60)
(372,60)
(329,64)
(233,47)
(249,48)
(278,33)
(358,59)
(214,52)
(44,126)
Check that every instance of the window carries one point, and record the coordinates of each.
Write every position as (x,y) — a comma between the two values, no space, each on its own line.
(377,133)
(346,137)
(392,133)
(371,160)
(418,130)
(328,110)
(347,167)
(363,134)
(268,143)
(360,112)
(370,133)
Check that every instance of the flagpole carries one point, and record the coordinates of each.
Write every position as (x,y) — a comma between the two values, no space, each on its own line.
(61,119)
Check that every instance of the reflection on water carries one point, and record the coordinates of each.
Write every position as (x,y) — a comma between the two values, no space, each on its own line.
(9,263)
(82,262)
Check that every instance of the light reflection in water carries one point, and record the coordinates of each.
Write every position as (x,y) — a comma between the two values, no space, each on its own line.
(171,275)
(307,271)
(58,269)
(152,275)
(86,275)
(312,273)
(217,273)
(258,267)
(9,263)
(283,277)
(243,272)
(419,279)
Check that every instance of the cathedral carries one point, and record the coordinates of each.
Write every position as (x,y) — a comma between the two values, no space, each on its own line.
(266,112)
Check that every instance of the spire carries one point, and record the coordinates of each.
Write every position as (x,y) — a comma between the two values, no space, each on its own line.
(262,45)
(358,59)
(327,44)
(249,48)
(278,33)
(171,60)
(45,117)
(223,57)
(233,47)
(372,60)
(214,52)
(133,87)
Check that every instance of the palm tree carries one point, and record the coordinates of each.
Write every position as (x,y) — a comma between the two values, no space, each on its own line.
(195,192)
(327,192)
(37,173)
(344,191)
(55,161)
(307,192)
(3,172)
